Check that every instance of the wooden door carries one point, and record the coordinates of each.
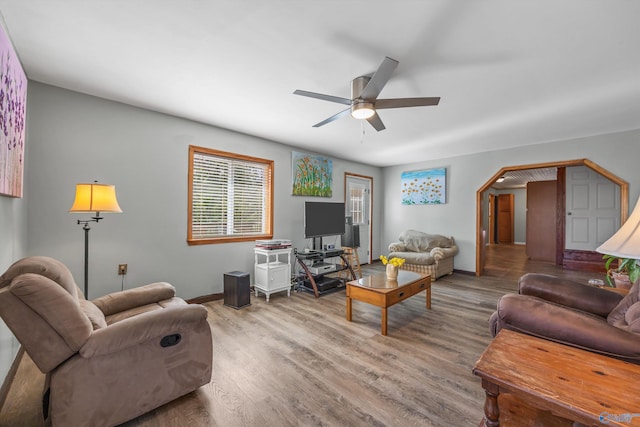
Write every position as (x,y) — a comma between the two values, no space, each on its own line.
(505,218)
(491,238)
(541,220)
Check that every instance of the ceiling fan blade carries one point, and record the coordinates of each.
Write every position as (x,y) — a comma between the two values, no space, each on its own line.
(406,102)
(324,97)
(379,79)
(376,122)
(332,118)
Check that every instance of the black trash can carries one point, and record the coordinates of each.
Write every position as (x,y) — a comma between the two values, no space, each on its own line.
(237,292)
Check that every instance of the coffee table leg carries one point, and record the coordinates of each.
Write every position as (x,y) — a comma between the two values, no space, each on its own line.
(349,309)
(384,321)
(429,296)
(491,409)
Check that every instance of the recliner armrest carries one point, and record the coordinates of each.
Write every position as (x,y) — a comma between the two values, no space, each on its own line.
(533,316)
(569,293)
(135,297)
(142,328)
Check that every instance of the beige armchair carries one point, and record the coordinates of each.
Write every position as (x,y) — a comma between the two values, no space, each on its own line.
(108,360)
(425,253)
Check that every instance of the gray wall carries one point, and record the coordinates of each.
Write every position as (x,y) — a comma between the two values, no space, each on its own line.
(78,138)
(617,153)
(13,239)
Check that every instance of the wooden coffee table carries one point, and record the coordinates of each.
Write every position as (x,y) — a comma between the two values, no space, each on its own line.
(569,382)
(383,293)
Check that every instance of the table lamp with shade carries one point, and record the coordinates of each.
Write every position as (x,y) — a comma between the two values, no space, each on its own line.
(93,198)
(625,244)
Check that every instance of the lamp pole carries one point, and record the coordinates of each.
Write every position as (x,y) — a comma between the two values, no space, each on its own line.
(86,229)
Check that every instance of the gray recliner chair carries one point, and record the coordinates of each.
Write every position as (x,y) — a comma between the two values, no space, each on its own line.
(574,314)
(110,359)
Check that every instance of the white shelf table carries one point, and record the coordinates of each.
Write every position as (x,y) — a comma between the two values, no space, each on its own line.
(272,271)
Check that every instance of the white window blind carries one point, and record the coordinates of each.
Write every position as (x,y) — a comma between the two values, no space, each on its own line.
(230,196)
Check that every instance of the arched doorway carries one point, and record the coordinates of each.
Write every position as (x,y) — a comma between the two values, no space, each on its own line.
(480,232)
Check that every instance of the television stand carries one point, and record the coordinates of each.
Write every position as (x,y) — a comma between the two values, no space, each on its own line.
(319,283)
(324,285)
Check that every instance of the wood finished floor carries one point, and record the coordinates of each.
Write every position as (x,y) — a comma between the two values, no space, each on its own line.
(297,362)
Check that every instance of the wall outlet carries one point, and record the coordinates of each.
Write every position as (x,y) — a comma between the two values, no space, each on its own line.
(122,269)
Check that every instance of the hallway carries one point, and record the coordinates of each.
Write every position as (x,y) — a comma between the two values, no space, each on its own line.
(510,261)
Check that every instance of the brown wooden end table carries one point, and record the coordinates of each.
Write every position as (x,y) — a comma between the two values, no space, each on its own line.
(383,293)
(571,383)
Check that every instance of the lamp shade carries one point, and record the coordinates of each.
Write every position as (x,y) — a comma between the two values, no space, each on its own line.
(625,243)
(95,198)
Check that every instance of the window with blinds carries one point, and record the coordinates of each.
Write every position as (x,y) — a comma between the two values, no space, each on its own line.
(356,199)
(230,197)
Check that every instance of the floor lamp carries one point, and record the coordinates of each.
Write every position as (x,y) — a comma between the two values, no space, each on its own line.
(93,198)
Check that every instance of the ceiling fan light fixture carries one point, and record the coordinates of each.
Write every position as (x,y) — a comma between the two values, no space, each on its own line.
(362,110)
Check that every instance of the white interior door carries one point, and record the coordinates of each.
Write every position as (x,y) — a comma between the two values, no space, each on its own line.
(358,206)
(593,209)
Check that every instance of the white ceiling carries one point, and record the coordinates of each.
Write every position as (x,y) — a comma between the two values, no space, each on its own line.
(510,73)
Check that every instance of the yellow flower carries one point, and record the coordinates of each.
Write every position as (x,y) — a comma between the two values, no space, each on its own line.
(393,261)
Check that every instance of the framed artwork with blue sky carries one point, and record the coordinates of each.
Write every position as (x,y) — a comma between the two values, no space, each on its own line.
(424,187)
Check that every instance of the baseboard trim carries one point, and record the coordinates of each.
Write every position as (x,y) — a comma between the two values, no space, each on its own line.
(205,298)
(467,273)
(11,375)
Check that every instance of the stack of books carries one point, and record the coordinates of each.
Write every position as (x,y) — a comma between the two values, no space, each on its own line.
(273,244)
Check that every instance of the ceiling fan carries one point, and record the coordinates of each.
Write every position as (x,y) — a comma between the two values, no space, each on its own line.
(364,97)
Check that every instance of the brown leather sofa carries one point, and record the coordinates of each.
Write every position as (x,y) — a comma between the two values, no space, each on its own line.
(110,359)
(574,314)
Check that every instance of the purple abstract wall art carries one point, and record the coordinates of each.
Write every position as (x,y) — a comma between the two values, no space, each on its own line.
(13,108)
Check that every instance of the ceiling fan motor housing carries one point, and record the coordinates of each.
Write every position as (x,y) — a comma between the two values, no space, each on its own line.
(357,86)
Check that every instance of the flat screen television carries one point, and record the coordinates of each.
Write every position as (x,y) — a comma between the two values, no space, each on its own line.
(323,219)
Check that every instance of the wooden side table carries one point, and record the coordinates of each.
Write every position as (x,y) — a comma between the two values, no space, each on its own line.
(570,383)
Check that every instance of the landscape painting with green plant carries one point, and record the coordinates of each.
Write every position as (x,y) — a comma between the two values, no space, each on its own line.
(425,187)
(312,175)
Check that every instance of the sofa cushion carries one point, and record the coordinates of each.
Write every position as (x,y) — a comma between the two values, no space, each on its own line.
(93,313)
(420,258)
(617,315)
(417,241)
(632,317)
